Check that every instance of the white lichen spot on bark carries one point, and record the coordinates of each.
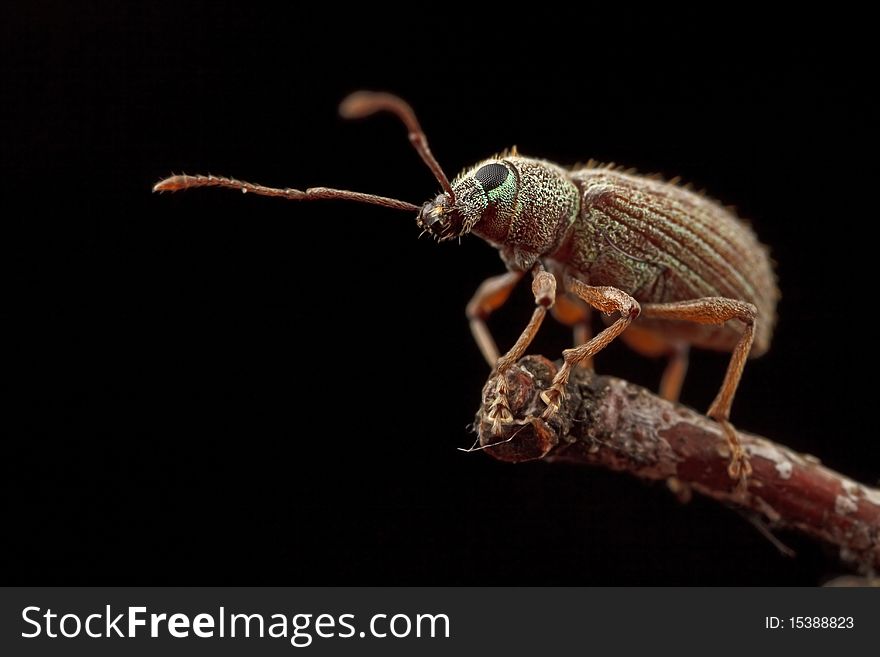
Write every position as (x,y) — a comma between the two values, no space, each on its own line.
(844,505)
(784,469)
(782,459)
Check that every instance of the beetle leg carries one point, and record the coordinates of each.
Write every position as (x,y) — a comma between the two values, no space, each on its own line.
(606,300)
(718,310)
(489,297)
(571,311)
(676,369)
(651,344)
(495,391)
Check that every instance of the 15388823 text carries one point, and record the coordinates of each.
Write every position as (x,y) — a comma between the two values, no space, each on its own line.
(809,623)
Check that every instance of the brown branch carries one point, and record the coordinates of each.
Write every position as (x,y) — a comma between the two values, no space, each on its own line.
(614,424)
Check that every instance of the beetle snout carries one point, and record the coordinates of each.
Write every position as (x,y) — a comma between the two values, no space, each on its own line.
(441,219)
(433,218)
(430,215)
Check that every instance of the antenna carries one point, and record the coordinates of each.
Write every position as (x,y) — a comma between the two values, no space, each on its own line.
(177,183)
(357,105)
(364,103)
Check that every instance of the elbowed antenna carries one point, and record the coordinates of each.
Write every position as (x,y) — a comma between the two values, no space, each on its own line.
(357,105)
(363,103)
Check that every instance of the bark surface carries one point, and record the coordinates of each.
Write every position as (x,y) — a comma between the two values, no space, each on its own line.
(614,424)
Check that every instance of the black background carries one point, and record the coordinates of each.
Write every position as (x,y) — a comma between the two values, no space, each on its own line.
(226,389)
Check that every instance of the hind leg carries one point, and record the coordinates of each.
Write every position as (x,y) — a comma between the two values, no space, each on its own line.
(718,310)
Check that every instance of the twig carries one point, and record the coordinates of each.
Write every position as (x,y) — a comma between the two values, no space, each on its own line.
(617,425)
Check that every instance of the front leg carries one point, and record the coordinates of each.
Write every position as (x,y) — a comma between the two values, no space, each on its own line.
(489,297)
(495,391)
(606,300)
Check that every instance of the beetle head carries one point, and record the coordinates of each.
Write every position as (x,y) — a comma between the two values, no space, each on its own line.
(484,193)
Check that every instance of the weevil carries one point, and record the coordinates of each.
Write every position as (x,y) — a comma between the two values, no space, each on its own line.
(677,268)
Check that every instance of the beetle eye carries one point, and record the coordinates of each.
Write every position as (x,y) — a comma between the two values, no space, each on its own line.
(491,175)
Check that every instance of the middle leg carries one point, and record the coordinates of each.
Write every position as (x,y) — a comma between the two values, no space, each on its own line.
(571,311)
(606,300)
(649,343)
(676,370)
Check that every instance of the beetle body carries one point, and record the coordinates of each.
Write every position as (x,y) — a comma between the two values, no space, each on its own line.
(657,241)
